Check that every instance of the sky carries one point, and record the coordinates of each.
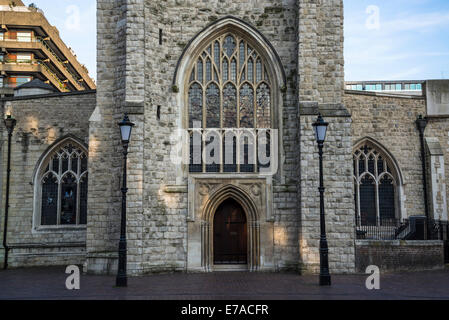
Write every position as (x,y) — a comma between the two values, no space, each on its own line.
(384,40)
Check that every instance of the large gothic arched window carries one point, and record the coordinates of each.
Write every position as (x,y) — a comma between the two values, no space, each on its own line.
(228,88)
(376,186)
(62,186)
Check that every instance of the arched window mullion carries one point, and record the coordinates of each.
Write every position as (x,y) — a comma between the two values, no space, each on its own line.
(78,201)
(378,223)
(58,217)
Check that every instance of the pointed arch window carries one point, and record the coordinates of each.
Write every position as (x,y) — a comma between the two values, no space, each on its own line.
(376,186)
(229,88)
(63,186)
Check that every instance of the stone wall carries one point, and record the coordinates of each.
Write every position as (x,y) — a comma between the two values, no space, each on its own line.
(390,120)
(41,120)
(105,161)
(438,128)
(165,245)
(339,196)
(136,75)
(394,256)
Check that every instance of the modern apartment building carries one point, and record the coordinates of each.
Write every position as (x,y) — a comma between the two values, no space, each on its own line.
(32,49)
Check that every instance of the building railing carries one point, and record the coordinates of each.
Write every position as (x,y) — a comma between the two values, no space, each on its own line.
(396,229)
(54,55)
(378,228)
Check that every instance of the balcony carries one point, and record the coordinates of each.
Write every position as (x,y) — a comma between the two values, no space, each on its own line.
(34,66)
(40,45)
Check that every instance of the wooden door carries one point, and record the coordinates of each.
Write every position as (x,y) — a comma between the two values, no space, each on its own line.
(230,234)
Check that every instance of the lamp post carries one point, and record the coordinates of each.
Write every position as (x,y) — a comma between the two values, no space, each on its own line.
(320,134)
(421,123)
(125,132)
(10,124)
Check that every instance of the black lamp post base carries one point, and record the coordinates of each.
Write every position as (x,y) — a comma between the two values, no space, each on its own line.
(121,282)
(325,280)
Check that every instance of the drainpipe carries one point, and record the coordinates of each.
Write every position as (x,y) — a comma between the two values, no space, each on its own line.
(422,124)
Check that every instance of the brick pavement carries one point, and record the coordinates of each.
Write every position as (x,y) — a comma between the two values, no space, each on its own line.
(49,283)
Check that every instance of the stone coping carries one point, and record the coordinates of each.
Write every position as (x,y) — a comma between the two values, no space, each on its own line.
(50,95)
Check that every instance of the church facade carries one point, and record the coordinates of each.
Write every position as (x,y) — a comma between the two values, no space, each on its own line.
(249,77)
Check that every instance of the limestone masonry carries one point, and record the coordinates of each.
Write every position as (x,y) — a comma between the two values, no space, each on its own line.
(167,63)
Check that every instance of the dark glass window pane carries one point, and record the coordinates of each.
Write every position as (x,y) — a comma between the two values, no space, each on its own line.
(49,208)
(75,164)
(368,201)
(386,199)
(230,153)
(83,199)
(246,149)
(65,164)
(267,152)
(380,165)
(55,164)
(213,154)
(196,164)
(371,165)
(68,200)
(362,165)
(84,162)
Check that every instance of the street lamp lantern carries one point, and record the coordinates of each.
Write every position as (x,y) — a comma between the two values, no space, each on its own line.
(10,123)
(320,133)
(126,127)
(125,132)
(320,129)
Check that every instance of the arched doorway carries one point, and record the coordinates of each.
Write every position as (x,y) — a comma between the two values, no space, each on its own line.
(230,234)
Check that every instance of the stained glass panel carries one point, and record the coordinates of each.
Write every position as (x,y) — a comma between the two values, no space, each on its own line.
(208,70)
(225,70)
(229,106)
(263,106)
(258,71)
(217,55)
(250,70)
(200,70)
(213,106)
(229,45)
(223,104)
(242,54)
(68,200)
(233,70)
(195,105)
(246,106)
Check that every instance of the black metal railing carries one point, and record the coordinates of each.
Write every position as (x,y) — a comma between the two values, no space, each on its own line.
(414,228)
(378,228)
